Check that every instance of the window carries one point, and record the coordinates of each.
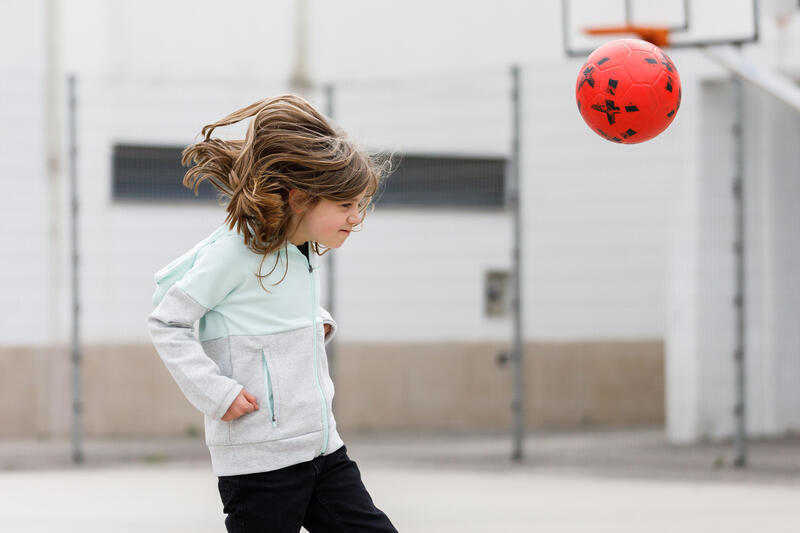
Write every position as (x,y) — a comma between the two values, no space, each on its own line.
(152,173)
(445,181)
(155,173)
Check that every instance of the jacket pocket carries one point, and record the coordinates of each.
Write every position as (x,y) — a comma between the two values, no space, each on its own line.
(297,400)
(251,370)
(270,391)
(279,370)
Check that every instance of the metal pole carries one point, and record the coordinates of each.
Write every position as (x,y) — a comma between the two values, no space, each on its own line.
(517,352)
(331,285)
(739,298)
(77,407)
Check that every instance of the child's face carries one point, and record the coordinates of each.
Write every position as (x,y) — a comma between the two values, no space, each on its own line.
(329,222)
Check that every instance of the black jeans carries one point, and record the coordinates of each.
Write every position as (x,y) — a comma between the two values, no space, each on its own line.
(324,494)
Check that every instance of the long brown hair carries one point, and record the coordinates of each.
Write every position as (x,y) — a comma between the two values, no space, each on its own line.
(288,145)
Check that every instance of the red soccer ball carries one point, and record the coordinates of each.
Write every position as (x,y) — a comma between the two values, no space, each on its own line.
(628,91)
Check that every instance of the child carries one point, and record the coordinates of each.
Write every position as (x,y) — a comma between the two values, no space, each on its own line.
(257,368)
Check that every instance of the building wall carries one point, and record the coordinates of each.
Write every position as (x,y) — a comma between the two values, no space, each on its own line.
(773,249)
(700,343)
(581,195)
(25,216)
(426,386)
(596,216)
(701,339)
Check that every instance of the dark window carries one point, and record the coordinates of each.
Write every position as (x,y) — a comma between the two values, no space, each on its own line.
(152,173)
(418,180)
(155,173)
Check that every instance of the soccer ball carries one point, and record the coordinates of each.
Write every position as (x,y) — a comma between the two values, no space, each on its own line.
(628,91)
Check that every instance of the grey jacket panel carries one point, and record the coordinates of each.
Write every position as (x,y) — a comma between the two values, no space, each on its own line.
(269,455)
(281,363)
(288,426)
(171,327)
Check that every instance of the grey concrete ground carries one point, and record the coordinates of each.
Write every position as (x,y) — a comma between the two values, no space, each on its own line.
(620,481)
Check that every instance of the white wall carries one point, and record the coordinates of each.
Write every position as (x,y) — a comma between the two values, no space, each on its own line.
(595,213)
(596,216)
(414,77)
(595,219)
(363,40)
(701,336)
(701,327)
(24,217)
(773,284)
(124,243)
(700,340)
(178,40)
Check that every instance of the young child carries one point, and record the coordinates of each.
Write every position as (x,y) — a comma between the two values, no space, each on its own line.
(257,367)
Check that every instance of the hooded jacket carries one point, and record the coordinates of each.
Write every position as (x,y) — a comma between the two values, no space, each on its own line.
(271,343)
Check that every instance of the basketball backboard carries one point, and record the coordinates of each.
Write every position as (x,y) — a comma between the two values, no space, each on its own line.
(690,22)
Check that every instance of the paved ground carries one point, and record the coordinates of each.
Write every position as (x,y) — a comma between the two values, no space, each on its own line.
(620,481)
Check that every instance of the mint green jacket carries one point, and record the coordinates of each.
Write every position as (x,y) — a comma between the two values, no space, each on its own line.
(270,343)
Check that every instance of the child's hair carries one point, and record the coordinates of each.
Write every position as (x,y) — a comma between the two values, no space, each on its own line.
(289,145)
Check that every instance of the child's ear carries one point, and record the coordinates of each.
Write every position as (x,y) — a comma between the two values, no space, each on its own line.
(297,200)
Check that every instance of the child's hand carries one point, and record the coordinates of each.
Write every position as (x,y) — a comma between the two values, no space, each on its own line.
(243,404)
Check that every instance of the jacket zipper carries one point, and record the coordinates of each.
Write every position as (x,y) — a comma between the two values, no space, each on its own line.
(316,357)
(270,398)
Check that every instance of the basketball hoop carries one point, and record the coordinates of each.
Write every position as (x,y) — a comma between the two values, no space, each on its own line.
(657,35)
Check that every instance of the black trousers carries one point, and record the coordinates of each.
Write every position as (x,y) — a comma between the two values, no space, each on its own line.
(325,494)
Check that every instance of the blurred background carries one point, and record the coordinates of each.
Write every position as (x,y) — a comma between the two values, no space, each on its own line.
(629,264)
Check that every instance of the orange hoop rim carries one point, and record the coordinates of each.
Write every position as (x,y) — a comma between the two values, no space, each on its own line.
(657,35)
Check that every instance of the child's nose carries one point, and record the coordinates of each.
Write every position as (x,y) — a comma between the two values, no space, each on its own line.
(354,218)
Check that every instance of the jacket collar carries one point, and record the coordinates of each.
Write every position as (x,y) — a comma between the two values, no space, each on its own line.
(295,250)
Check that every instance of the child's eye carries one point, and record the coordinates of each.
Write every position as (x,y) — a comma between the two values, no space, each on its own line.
(361,205)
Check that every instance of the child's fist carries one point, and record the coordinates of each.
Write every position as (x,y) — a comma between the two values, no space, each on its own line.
(243,404)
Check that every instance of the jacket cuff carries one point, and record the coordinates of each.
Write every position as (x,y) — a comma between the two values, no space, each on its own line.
(227,401)
(327,319)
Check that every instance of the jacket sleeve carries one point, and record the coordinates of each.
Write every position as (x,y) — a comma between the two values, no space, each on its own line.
(327,319)
(171,328)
